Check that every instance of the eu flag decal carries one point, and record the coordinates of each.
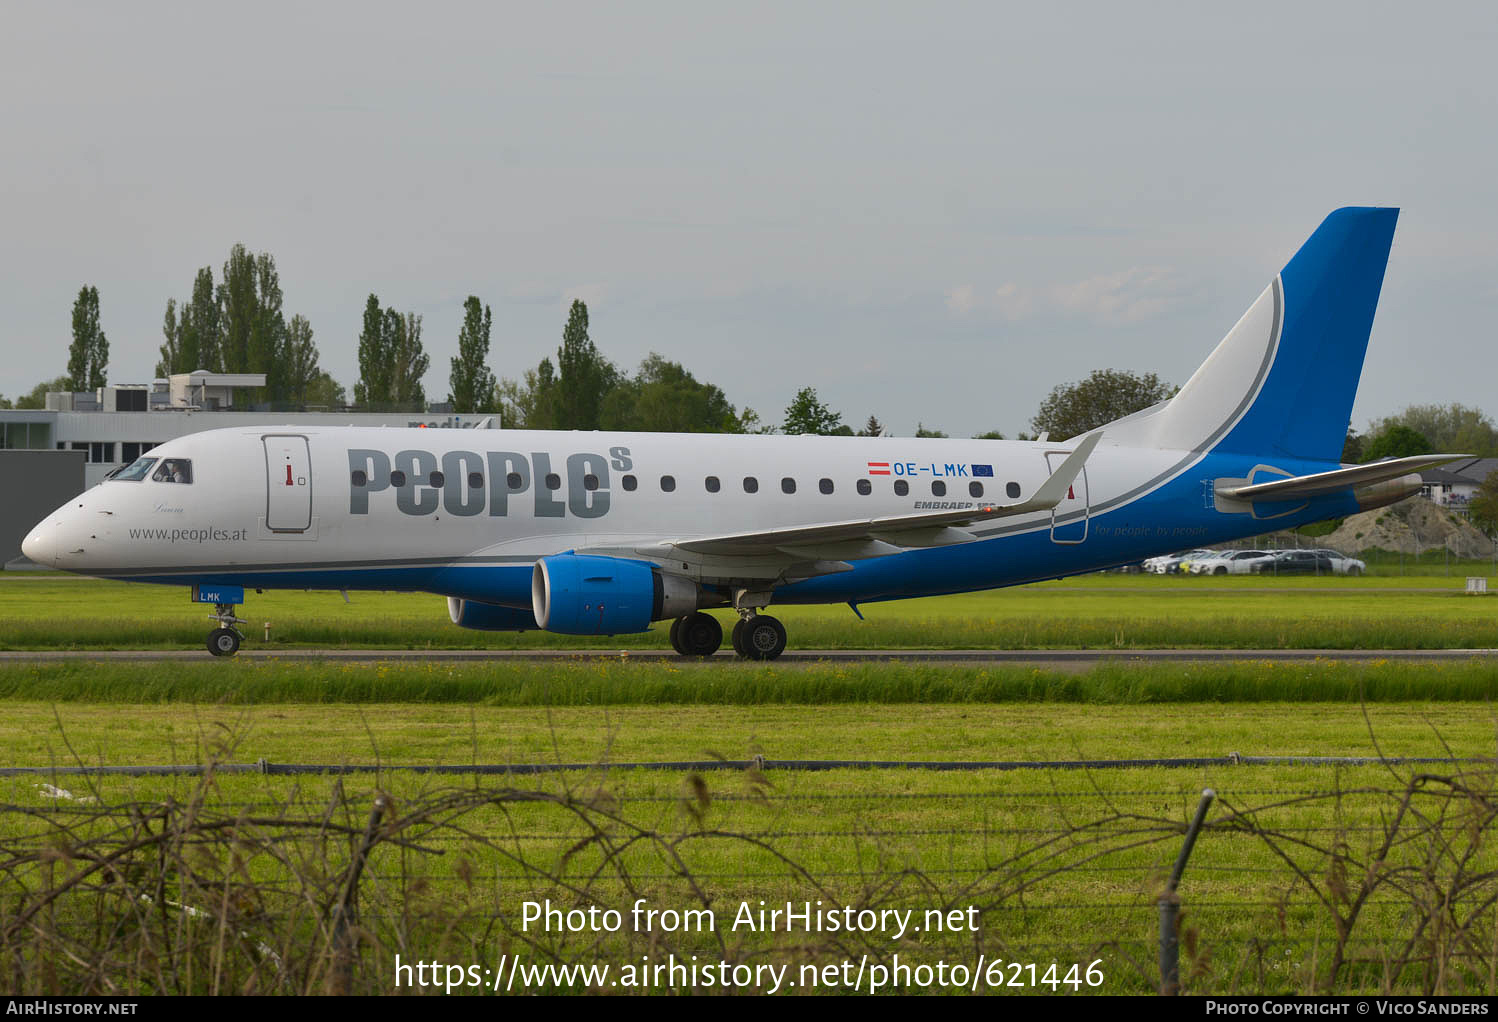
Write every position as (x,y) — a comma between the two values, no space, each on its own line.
(983,471)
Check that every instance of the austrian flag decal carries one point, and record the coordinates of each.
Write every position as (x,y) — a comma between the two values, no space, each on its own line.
(878,468)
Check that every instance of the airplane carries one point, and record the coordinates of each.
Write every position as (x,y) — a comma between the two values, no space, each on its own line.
(603,533)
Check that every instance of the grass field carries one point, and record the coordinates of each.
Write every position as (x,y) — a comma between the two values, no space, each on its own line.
(1062,866)
(1310,878)
(1097,611)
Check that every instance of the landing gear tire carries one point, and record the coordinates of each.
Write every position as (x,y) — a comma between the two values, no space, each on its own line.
(738,639)
(697,634)
(761,637)
(223,642)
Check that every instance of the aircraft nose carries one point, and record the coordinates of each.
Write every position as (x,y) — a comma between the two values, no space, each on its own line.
(40,544)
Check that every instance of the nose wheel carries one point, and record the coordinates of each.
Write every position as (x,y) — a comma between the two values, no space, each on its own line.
(224,640)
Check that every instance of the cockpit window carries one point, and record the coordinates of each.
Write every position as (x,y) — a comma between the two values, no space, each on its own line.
(174,470)
(136,470)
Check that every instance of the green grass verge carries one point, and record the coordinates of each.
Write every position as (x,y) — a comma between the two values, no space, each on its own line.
(621,683)
(1100,611)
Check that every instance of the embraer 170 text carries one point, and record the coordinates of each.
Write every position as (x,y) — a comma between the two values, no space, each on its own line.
(602,533)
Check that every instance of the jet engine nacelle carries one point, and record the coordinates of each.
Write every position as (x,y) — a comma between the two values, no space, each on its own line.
(486,617)
(579,594)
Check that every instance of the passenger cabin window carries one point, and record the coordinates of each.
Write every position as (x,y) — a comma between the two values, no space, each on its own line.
(901,487)
(938,488)
(630,482)
(751,484)
(553,481)
(712,484)
(475,481)
(825,485)
(865,487)
(397,478)
(975,489)
(358,478)
(668,484)
(590,481)
(514,482)
(438,479)
(136,470)
(1012,489)
(787,485)
(174,470)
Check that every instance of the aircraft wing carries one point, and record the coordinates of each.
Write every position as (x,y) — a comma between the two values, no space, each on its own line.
(1337,479)
(876,537)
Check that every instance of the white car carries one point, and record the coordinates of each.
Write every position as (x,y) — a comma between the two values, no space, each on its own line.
(1172,563)
(1344,565)
(1233,562)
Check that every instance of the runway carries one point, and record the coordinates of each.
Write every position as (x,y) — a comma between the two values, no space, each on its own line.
(1051,659)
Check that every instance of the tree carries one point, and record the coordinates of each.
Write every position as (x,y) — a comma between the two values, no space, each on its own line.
(251,326)
(373,388)
(299,367)
(38,396)
(584,376)
(5,402)
(992,434)
(663,397)
(872,428)
(806,414)
(88,355)
(1108,394)
(1484,505)
(239,307)
(201,328)
(1396,441)
(325,392)
(471,379)
(1352,448)
(922,433)
(191,329)
(266,348)
(409,361)
(1452,429)
(171,349)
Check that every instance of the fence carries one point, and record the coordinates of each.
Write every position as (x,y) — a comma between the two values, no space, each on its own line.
(1360,878)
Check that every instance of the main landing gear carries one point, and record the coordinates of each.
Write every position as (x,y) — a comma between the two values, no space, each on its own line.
(696,634)
(224,640)
(755,636)
(758,636)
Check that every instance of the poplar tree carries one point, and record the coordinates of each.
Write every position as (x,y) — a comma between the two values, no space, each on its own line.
(471,380)
(299,360)
(373,388)
(88,355)
(583,375)
(410,361)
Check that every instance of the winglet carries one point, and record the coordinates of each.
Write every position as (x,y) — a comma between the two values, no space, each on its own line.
(1053,491)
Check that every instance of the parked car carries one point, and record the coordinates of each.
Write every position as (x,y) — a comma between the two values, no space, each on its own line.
(1295,562)
(1171,563)
(1233,562)
(1342,564)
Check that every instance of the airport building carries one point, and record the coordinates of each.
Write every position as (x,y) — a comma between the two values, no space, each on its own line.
(114,425)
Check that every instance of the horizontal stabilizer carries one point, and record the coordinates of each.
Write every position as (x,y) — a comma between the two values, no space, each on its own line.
(1337,479)
(929,528)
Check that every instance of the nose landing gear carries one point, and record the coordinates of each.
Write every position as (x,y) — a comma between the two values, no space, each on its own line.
(224,640)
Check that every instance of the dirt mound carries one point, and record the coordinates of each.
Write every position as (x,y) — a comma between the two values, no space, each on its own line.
(1411,526)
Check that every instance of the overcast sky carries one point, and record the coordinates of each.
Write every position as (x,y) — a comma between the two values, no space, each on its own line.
(933,213)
